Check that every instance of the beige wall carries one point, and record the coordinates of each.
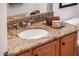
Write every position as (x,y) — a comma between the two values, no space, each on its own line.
(66,13)
(25,7)
(3,28)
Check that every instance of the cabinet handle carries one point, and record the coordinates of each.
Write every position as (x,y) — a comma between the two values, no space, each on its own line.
(63,43)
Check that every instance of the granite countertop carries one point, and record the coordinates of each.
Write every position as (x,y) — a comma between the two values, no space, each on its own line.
(18,45)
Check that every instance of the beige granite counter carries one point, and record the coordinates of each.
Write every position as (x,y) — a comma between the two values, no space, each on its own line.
(18,45)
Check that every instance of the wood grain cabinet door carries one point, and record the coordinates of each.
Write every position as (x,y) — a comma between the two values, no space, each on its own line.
(68,45)
(50,49)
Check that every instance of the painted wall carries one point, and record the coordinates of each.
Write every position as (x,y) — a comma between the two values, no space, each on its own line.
(25,7)
(3,28)
(66,13)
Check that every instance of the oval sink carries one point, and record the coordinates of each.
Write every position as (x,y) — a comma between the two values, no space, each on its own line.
(33,34)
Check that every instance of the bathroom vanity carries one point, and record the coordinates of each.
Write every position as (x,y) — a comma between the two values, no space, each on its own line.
(61,42)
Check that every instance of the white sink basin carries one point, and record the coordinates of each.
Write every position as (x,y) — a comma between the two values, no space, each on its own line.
(33,34)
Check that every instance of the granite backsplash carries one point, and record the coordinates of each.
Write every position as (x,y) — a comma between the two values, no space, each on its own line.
(36,18)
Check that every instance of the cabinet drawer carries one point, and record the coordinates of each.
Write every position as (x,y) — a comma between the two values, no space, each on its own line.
(50,49)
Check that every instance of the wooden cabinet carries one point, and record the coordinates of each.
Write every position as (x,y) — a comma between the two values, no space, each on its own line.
(68,45)
(50,49)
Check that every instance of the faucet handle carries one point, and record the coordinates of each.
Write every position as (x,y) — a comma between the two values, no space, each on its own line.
(16,25)
(29,24)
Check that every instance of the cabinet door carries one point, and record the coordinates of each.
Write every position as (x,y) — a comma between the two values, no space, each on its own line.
(28,53)
(50,49)
(68,45)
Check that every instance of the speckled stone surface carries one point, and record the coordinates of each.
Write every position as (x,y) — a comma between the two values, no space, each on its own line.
(23,18)
(18,45)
